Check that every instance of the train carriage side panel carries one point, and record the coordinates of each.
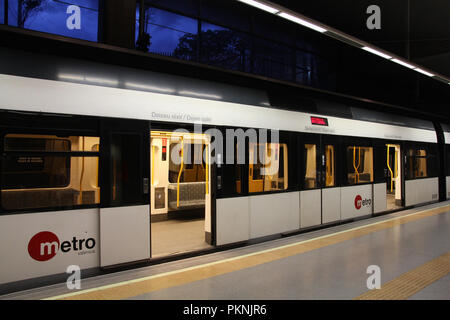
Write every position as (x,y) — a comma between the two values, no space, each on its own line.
(446,128)
(58,234)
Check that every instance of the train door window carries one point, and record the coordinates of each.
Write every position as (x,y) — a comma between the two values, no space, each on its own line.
(310,156)
(238,170)
(416,163)
(46,171)
(359,164)
(268,167)
(330,176)
(125,173)
(448,161)
(255,179)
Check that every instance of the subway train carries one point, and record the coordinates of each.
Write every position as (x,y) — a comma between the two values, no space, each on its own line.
(105,166)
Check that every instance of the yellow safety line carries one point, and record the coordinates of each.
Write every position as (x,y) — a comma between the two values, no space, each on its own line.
(143,285)
(411,282)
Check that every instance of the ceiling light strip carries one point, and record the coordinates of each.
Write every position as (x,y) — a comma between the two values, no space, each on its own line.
(424,72)
(302,22)
(378,53)
(260,5)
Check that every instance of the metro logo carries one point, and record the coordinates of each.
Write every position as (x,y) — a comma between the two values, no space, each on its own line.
(45,245)
(359,202)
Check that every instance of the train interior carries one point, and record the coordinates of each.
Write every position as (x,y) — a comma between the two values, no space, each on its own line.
(180,193)
(361,167)
(393,177)
(267,167)
(40,171)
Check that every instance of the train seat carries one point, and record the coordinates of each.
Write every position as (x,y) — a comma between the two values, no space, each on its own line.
(192,195)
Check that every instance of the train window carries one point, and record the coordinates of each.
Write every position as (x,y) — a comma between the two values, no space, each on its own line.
(192,168)
(44,171)
(330,178)
(310,153)
(267,167)
(416,164)
(359,164)
(448,161)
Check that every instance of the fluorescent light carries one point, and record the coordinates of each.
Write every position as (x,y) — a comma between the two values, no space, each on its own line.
(260,5)
(403,63)
(199,94)
(378,53)
(84,79)
(111,82)
(68,76)
(133,85)
(302,22)
(424,72)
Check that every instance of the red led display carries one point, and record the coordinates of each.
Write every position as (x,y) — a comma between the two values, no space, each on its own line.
(319,121)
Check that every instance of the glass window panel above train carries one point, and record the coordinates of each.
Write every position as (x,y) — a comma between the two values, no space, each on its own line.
(75,19)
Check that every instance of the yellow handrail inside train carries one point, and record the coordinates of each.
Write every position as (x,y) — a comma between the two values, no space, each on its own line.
(389,167)
(179,173)
(354,163)
(207,169)
(153,163)
(330,166)
(396,164)
(80,198)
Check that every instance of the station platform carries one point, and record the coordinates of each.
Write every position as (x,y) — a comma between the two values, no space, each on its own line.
(410,249)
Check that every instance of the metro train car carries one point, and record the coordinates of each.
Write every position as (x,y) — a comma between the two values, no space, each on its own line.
(104,166)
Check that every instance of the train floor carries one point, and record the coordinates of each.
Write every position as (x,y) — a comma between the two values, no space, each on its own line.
(178,236)
(407,253)
(391,203)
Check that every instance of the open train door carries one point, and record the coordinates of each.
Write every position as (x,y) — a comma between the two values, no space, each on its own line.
(124,210)
(180,192)
(393,175)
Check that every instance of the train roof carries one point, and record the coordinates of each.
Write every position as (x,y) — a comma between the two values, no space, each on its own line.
(83,76)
